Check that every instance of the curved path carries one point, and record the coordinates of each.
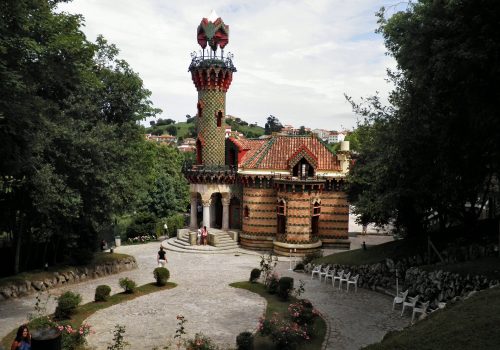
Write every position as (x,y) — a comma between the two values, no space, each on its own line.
(210,306)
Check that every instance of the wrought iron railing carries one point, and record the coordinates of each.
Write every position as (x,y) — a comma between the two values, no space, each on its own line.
(205,61)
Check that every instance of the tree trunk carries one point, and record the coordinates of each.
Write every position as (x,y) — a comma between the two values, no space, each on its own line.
(17,247)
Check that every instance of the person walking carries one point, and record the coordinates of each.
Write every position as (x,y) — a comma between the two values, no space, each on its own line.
(161,257)
(204,235)
(23,339)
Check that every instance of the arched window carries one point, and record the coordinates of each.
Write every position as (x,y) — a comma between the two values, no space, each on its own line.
(246,212)
(281,216)
(219,119)
(199,106)
(316,211)
(199,152)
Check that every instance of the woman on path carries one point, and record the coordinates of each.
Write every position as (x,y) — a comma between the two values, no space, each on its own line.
(161,257)
(204,235)
(23,339)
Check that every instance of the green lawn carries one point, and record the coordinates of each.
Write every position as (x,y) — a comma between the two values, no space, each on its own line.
(86,310)
(470,324)
(275,304)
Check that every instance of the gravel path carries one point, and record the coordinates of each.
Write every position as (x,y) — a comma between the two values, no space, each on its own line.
(204,297)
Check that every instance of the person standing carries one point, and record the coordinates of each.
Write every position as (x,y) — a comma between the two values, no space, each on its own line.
(198,237)
(161,258)
(204,235)
(23,339)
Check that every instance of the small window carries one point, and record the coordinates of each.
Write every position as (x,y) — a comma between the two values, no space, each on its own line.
(281,217)
(200,109)
(219,119)
(316,209)
(246,212)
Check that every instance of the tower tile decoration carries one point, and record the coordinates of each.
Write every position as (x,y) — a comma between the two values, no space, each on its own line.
(212,74)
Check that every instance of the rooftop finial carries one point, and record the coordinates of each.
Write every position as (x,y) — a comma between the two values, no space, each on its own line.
(212,17)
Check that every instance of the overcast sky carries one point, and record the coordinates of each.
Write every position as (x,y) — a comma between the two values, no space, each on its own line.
(295,59)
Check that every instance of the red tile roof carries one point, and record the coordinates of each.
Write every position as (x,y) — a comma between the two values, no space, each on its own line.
(276,152)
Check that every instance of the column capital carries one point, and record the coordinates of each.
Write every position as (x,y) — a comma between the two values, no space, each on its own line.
(226,201)
(206,202)
(193,195)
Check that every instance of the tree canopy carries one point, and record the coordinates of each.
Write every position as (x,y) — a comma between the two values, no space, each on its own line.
(434,151)
(73,153)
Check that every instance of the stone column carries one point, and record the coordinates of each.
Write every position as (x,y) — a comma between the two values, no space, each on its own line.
(194,211)
(206,211)
(225,213)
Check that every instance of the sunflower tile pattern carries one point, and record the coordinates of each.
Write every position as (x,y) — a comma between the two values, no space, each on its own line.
(213,101)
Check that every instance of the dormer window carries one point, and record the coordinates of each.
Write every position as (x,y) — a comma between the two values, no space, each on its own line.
(303,169)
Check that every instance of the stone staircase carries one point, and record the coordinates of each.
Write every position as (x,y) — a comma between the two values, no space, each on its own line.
(220,241)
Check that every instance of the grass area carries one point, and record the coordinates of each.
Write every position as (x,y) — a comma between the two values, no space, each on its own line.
(373,254)
(488,266)
(86,310)
(275,304)
(40,275)
(470,324)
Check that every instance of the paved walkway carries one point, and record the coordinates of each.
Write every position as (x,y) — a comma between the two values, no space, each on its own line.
(210,305)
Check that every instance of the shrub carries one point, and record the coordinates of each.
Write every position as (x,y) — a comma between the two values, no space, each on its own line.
(143,225)
(285,287)
(161,275)
(311,256)
(74,338)
(299,267)
(174,222)
(254,275)
(201,342)
(244,341)
(302,312)
(127,284)
(273,284)
(102,292)
(66,305)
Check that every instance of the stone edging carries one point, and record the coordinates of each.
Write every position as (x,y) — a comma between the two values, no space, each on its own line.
(68,276)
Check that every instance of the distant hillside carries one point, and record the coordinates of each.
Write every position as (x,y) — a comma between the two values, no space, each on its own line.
(188,129)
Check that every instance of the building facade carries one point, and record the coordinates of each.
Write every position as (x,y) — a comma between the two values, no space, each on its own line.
(284,193)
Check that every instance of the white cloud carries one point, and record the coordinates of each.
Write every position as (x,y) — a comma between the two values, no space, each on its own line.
(295,59)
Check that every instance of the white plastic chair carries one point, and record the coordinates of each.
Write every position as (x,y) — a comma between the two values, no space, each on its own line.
(344,279)
(412,301)
(338,277)
(315,271)
(354,281)
(324,272)
(400,298)
(421,309)
(330,274)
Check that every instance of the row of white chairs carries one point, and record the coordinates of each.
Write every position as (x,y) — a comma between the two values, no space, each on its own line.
(410,302)
(330,273)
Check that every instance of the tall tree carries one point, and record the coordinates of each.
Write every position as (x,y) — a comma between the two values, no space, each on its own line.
(272,125)
(441,148)
(68,129)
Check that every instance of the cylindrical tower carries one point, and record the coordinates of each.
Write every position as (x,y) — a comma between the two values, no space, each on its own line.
(212,74)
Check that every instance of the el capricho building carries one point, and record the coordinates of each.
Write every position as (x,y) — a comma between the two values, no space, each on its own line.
(281,193)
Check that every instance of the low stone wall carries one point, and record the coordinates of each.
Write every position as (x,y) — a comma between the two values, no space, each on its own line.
(21,288)
(435,286)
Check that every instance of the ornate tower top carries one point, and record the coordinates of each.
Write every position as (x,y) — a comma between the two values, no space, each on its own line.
(214,31)
(212,74)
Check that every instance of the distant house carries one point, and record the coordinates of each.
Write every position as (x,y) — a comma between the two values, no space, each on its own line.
(336,137)
(162,139)
(321,133)
(186,148)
